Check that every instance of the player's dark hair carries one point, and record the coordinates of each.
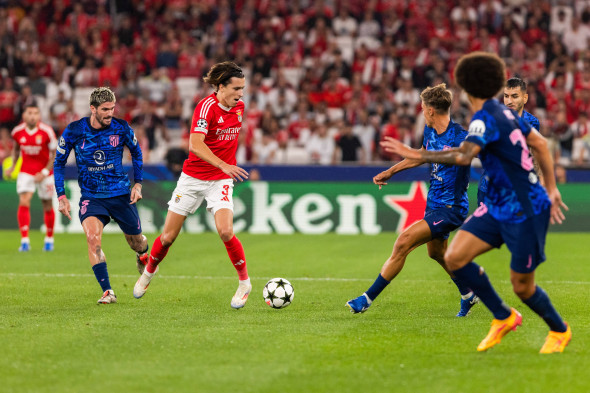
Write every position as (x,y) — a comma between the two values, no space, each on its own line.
(100,95)
(221,74)
(437,97)
(480,74)
(516,82)
(32,104)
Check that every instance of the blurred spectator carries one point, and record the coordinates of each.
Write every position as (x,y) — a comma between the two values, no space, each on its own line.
(560,174)
(321,146)
(173,108)
(6,143)
(264,149)
(87,76)
(9,104)
(155,85)
(349,147)
(580,130)
(151,123)
(366,132)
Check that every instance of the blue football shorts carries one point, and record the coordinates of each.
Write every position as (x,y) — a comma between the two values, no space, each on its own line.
(118,208)
(525,240)
(443,220)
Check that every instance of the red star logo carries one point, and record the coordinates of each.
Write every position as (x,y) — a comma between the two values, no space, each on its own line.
(410,207)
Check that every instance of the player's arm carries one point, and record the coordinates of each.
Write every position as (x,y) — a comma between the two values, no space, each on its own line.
(461,155)
(45,171)
(61,158)
(137,160)
(539,145)
(14,155)
(406,163)
(198,147)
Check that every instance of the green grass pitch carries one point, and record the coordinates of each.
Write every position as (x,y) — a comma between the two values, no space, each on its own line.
(184,337)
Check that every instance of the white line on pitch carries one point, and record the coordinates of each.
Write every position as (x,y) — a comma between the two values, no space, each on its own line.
(184,277)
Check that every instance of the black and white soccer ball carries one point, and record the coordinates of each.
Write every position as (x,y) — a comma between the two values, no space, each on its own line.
(278,293)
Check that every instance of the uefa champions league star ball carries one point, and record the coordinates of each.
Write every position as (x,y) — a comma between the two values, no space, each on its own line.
(278,293)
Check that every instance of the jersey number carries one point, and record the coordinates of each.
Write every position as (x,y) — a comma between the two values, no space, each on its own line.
(526,161)
(225,193)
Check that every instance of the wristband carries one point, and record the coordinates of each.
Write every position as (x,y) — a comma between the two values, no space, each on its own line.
(59,198)
(45,172)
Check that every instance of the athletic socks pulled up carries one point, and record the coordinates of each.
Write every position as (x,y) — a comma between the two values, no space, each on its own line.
(377,287)
(102,275)
(156,256)
(541,304)
(236,254)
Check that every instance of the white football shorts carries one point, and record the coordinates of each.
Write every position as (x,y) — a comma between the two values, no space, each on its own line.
(190,193)
(26,183)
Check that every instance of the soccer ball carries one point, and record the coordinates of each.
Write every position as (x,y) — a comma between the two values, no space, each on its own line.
(278,293)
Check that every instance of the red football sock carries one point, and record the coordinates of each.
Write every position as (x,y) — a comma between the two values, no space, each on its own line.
(24,220)
(49,218)
(237,257)
(157,255)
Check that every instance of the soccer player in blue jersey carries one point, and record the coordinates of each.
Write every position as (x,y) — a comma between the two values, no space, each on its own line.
(517,208)
(447,203)
(98,142)
(515,97)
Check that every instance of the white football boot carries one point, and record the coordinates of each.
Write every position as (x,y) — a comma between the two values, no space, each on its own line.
(108,297)
(241,296)
(143,282)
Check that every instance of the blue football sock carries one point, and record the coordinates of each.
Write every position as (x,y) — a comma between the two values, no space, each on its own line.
(541,304)
(102,275)
(463,290)
(377,287)
(475,278)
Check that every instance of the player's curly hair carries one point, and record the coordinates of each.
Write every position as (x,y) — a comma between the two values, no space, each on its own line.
(437,97)
(221,74)
(480,74)
(100,95)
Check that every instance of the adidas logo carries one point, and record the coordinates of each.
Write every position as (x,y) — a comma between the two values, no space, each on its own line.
(220,119)
(240,262)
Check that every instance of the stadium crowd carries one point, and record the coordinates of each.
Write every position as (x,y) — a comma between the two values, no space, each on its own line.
(327,79)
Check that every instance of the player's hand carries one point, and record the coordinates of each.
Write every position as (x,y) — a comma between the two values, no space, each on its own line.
(557,204)
(392,145)
(39,177)
(64,207)
(381,178)
(136,193)
(9,171)
(235,172)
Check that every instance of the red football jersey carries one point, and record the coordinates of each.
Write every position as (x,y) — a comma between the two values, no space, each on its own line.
(221,126)
(34,146)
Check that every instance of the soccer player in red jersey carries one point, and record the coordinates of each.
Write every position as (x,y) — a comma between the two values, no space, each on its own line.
(208,175)
(36,142)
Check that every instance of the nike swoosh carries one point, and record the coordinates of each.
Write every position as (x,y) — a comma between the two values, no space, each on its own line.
(437,222)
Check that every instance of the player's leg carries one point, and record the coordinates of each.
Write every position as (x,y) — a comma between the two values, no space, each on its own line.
(172,227)
(436,250)
(93,227)
(45,190)
(139,244)
(224,222)
(49,219)
(526,243)
(459,256)
(24,219)
(414,236)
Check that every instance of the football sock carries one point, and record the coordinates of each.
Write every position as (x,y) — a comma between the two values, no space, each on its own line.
(541,304)
(475,277)
(49,218)
(23,216)
(235,250)
(377,287)
(463,290)
(102,275)
(157,255)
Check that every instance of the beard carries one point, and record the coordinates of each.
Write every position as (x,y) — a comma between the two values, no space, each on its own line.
(104,121)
